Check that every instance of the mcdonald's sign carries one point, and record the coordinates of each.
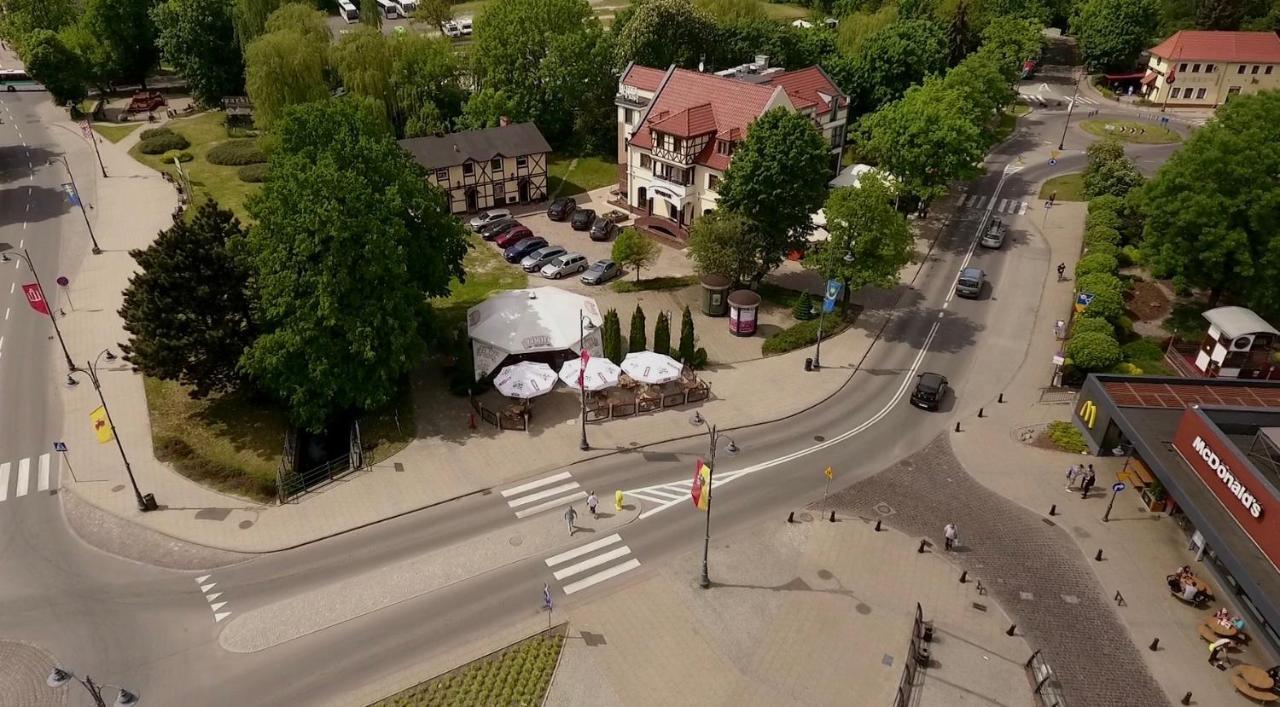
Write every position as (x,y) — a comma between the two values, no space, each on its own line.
(1088,413)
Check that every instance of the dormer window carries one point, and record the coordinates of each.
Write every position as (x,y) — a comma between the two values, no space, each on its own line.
(724,147)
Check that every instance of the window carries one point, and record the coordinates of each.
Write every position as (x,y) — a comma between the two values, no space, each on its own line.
(1240,70)
(837,136)
(442,175)
(1199,93)
(1208,68)
(1255,69)
(499,192)
(1268,71)
(1195,68)
(496,164)
(1174,93)
(1182,67)
(713,182)
(646,162)
(630,116)
(468,169)
(522,162)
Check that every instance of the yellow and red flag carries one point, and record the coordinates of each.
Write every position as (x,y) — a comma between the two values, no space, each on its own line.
(701,490)
(101,425)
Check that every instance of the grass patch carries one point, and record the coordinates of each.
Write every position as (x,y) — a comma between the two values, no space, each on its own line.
(784,12)
(1131,131)
(1066,437)
(1018,110)
(802,334)
(568,175)
(1069,187)
(222,183)
(486,272)
(516,675)
(654,283)
(779,295)
(115,133)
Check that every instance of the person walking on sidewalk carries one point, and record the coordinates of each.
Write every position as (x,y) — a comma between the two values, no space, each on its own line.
(569,517)
(592,502)
(1087,482)
(949,534)
(1062,271)
(1072,472)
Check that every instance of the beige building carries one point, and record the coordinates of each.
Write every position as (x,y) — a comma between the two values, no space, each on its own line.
(1205,69)
(486,168)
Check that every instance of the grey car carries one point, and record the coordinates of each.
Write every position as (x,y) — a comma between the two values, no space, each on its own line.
(534,261)
(993,237)
(564,265)
(969,284)
(601,272)
(484,218)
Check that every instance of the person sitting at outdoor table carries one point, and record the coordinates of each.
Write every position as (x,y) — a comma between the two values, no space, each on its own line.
(1193,594)
(1184,573)
(1224,618)
(1175,584)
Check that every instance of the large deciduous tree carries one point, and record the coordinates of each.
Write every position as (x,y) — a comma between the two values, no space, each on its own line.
(349,241)
(21,18)
(870,241)
(893,59)
(54,64)
(981,87)
(660,33)
(126,35)
(288,64)
(485,109)
(724,243)
(1011,41)
(1112,33)
(187,309)
(632,249)
(777,180)
(250,18)
(426,75)
(198,38)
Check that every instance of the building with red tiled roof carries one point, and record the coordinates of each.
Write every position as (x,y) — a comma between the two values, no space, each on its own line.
(1207,68)
(677,130)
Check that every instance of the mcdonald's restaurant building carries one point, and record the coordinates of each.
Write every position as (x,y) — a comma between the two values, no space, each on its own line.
(1205,452)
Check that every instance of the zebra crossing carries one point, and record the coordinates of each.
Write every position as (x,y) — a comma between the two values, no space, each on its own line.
(27,475)
(979,202)
(539,495)
(663,496)
(590,556)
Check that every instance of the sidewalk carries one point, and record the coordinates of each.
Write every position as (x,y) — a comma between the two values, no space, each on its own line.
(447,459)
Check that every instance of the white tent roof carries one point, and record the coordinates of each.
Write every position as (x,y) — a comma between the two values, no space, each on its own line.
(1238,321)
(849,176)
(528,321)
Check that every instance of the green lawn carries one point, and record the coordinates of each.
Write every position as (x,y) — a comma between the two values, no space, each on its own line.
(486,272)
(1069,187)
(785,12)
(569,175)
(655,283)
(207,180)
(1131,131)
(115,133)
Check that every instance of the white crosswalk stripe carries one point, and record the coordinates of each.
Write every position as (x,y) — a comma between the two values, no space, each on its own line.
(978,202)
(594,554)
(539,495)
(660,497)
(17,478)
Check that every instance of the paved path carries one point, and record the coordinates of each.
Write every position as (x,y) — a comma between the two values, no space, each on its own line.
(22,677)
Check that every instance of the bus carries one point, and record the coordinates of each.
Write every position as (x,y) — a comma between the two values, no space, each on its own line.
(407,6)
(389,9)
(348,11)
(18,80)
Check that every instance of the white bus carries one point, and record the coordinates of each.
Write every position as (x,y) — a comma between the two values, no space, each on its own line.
(389,9)
(348,11)
(407,6)
(18,80)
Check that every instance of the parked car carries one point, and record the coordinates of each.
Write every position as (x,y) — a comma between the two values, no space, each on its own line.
(969,284)
(464,26)
(534,261)
(561,209)
(601,272)
(993,237)
(603,229)
(497,228)
(484,218)
(582,219)
(564,265)
(931,388)
(616,216)
(512,237)
(517,251)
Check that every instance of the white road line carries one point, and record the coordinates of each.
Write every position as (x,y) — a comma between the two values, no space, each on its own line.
(977,204)
(1022,210)
(13,284)
(601,576)
(644,497)
(666,495)
(24,477)
(4,481)
(534,510)
(592,562)
(42,479)
(548,493)
(28,206)
(1002,204)
(1,342)
(583,550)
(6,313)
(516,490)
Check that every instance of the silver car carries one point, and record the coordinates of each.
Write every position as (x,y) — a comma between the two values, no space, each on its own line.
(601,272)
(484,218)
(994,235)
(534,261)
(564,265)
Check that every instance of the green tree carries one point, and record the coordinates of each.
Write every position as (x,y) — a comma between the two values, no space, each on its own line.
(21,18)
(303,19)
(1093,351)
(688,344)
(436,13)
(250,18)
(981,86)
(733,10)
(485,109)
(197,38)
(636,340)
(870,241)
(579,66)
(349,240)
(893,59)
(777,180)
(854,29)
(662,334)
(1011,41)
(426,83)
(53,64)
(1112,33)
(660,33)
(724,243)
(1220,14)
(370,14)
(126,36)
(611,333)
(803,310)
(187,308)
(1109,172)
(633,250)
(283,68)
(362,59)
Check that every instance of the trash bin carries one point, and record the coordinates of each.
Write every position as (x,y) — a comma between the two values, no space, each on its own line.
(808,364)
(149,502)
(715,291)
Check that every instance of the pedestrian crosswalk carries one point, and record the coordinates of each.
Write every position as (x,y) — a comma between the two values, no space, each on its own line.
(979,202)
(17,479)
(555,491)
(608,552)
(663,496)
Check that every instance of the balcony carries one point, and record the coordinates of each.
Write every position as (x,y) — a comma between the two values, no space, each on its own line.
(664,227)
(675,189)
(673,156)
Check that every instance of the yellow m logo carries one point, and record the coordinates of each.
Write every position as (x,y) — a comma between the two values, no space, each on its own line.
(1089,413)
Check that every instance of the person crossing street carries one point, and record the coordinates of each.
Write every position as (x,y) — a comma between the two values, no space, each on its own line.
(592,502)
(569,517)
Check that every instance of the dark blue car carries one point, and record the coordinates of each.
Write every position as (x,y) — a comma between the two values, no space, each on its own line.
(516,253)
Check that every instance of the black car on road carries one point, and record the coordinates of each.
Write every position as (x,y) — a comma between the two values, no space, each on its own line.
(582,219)
(561,209)
(931,388)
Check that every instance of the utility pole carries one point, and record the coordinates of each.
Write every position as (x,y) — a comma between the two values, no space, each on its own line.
(5,249)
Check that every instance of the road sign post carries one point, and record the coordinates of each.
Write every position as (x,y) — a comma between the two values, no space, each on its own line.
(1116,488)
(546,602)
(829,296)
(829,474)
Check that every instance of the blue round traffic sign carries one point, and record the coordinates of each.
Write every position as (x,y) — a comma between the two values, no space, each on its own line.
(1118,486)
(1052,162)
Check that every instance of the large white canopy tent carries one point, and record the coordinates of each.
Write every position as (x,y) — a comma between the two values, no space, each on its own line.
(526,323)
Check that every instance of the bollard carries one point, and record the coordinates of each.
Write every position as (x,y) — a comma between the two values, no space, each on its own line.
(957,426)
(1119,599)
(833,516)
(791,517)
(1098,557)
(1000,399)
(964,576)
(1053,510)
(1012,628)
(980,412)
(877,526)
(922,544)
(1186,699)
(471,420)
(1155,644)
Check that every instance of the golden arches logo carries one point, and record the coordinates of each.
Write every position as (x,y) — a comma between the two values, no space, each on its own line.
(1089,413)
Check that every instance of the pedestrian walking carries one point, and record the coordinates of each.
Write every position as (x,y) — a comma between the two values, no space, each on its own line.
(1062,271)
(949,534)
(1086,484)
(592,502)
(1072,472)
(569,517)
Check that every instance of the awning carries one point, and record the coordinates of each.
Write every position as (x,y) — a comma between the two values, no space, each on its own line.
(1150,77)
(1123,77)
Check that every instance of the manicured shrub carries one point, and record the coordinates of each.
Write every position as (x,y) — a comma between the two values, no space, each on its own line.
(1130,255)
(803,308)
(236,153)
(1094,235)
(611,333)
(1107,202)
(1099,282)
(253,172)
(1104,249)
(1085,325)
(636,341)
(1103,217)
(662,334)
(181,155)
(687,348)
(1142,350)
(161,144)
(154,132)
(1093,351)
(1066,437)
(1096,263)
(1125,368)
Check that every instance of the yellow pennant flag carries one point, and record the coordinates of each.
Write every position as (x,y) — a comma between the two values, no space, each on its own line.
(101,426)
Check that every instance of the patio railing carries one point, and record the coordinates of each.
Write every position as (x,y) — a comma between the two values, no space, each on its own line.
(1047,689)
(599,411)
(917,658)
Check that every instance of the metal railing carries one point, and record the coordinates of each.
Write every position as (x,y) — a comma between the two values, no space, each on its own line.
(291,482)
(917,658)
(1046,687)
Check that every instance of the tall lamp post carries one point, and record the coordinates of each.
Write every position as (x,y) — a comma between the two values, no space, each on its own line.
(715,436)
(5,250)
(60,677)
(80,202)
(92,372)
(584,325)
(1070,108)
(822,313)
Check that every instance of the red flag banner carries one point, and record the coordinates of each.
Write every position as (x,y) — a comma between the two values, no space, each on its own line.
(35,298)
(701,491)
(582,369)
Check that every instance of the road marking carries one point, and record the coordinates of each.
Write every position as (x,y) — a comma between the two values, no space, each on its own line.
(207,587)
(12,285)
(592,562)
(601,576)
(211,597)
(553,503)
(1022,210)
(547,493)
(202,580)
(24,477)
(217,606)
(582,550)
(1003,202)
(42,483)
(4,481)
(1,342)
(28,206)
(6,313)
(977,203)
(535,484)
(218,616)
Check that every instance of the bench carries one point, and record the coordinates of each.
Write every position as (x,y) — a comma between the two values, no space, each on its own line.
(1260,696)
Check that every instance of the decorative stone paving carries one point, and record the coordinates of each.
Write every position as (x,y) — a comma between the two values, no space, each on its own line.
(23,671)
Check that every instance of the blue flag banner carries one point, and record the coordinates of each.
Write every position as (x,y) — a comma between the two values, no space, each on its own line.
(72,197)
(834,287)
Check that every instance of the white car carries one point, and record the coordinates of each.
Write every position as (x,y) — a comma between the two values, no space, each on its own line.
(565,265)
(484,218)
(451,29)
(464,26)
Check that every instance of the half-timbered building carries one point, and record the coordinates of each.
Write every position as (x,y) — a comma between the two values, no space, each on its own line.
(482,169)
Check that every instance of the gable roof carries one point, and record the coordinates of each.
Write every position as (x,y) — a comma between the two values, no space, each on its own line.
(1233,47)
(808,87)
(642,77)
(477,145)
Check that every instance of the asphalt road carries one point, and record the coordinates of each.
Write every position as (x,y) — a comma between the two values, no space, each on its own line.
(151,629)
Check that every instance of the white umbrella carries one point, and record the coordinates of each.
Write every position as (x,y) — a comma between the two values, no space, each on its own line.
(650,367)
(525,380)
(601,373)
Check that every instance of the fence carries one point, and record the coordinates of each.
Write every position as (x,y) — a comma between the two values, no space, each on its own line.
(1047,690)
(599,411)
(917,658)
(292,482)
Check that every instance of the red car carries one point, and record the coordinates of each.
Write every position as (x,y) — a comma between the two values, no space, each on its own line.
(512,237)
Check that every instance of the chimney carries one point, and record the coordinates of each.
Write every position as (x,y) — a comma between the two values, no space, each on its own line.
(503,121)
(762,62)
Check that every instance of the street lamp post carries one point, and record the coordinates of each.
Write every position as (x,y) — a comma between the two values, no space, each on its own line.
(5,250)
(1070,108)
(715,436)
(583,323)
(92,372)
(67,166)
(124,698)
(822,313)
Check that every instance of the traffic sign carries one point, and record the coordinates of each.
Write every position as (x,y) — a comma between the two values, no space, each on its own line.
(1052,161)
(828,473)
(1117,487)
(63,280)
(59,446)
(1083,300)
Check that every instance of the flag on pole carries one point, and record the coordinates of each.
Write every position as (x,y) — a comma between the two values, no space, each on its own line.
(582,369)
(701,490)
(101,426)
(70,191)
(35,298)
(829,473)
(86,130)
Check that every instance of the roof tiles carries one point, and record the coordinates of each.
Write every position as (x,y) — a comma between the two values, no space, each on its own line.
(1226,47)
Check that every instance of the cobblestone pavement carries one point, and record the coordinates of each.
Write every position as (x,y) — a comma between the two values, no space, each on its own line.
(23,670)
(1026,562)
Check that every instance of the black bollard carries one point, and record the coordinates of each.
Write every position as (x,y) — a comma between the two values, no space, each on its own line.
(877,526)
(980,412)
(1098,557)
(791,517)
(922,544)
(1155,644)
(833,516)
(957,427)
(1186,699)
(1000,399)
(1053,510)
(964,576)
(1012,628)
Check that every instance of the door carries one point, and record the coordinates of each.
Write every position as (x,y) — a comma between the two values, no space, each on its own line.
(642,199)
(472,204)
(672,212)
(523,189)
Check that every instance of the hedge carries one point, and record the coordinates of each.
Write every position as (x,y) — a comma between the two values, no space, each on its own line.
(1066,437)
(1101,234)
(1093,351)
(253,172)
(154,132)
(1107,202)
(182,155)
(161,144)
(236,153)
(1129,255)
(1094,283)
(1142,350)
(1103,249)
(1096,263)
(1103,217)
(1092,325)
